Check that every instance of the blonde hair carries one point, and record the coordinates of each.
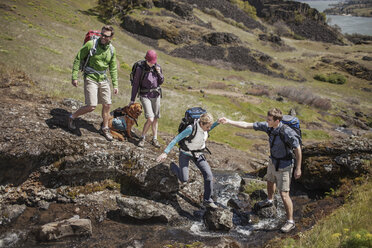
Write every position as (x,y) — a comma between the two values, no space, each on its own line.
(206,118)
(275,113)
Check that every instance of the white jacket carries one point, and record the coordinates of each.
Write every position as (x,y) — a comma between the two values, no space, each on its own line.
(198,142)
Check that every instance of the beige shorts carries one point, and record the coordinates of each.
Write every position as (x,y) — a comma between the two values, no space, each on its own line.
(97,92)
(282,177)
(151,106)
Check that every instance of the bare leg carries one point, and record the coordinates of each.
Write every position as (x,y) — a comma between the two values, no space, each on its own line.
(147,125)
(270,190)
(83,110)
(155,128)
(287,204)
(105,114)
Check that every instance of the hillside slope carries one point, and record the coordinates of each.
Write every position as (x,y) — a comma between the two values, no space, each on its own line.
(42,38)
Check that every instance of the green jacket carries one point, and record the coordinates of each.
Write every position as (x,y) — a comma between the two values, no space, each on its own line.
(100,61)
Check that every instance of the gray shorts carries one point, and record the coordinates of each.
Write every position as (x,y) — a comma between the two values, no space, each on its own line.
(97,92)
(282,177)
(151,107)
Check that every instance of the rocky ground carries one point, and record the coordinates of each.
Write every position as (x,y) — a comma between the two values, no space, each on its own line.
(63,189)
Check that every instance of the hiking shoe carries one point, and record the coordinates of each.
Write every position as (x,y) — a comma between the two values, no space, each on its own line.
(141,143)
(288,226)
(155,143)
(70,123)
(210,205)
(264,204)
(106,133)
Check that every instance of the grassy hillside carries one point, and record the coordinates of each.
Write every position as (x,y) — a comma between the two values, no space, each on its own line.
(42,37)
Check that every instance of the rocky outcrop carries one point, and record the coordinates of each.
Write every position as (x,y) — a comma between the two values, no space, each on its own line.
(303,20)
(326,164)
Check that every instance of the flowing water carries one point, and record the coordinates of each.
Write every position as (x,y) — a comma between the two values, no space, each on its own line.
(227,187)
(348,24)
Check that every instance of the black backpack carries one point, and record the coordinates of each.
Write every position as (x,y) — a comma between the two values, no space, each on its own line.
(292,122)
(192,115)
(141,64)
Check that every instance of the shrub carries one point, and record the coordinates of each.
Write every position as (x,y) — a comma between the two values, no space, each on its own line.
(336,78)
(305,96)
(333,78)
(246,7)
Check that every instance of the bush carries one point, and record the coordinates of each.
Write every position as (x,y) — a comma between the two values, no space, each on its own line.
(333,78)
(336,78)
(320,77)
(246,7)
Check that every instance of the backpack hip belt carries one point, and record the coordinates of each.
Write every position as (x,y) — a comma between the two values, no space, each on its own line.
(90,70)
(157,89)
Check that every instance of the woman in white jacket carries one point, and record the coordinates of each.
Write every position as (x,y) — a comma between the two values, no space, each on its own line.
(194,151)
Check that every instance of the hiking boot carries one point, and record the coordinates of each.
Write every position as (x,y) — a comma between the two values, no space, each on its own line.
(210,205)
(155,143)
(70,123)
(264,204)
(106,133)
(141,143)
(288,226)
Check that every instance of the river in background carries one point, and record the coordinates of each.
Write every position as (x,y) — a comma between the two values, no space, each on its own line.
(348,24)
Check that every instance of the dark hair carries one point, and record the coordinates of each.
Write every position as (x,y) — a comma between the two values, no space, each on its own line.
(275,113)
(108,28)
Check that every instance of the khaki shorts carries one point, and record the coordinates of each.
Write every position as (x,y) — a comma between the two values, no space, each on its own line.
(97,92)
(151,106)
(282,177)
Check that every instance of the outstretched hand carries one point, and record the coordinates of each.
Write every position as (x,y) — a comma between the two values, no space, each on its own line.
(161,157)
(223,120)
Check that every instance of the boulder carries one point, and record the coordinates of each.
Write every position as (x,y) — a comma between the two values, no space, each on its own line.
(65,228)
(144,209)
(265,212)
(218,219)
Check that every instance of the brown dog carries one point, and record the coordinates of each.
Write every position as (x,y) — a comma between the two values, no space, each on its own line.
(122,119)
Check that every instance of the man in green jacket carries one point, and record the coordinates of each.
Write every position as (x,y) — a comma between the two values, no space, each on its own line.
(96,84)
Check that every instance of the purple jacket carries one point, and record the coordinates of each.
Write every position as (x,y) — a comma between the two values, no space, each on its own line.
(151,80)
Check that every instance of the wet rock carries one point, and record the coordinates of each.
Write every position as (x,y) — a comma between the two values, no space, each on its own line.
(218,219)
(260,194)
(143,209)
(265,212)
(65,228)
(242,218)
(10,212)
(242,202)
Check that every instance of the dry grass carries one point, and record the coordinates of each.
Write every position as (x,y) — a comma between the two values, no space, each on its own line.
(305,96)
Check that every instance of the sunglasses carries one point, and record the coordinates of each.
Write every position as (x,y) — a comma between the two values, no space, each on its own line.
(105,36)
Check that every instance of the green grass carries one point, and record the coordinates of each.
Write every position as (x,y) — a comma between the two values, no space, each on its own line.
(348,226)
(53,47)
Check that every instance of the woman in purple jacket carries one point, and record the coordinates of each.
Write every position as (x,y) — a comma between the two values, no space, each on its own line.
(146,83)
